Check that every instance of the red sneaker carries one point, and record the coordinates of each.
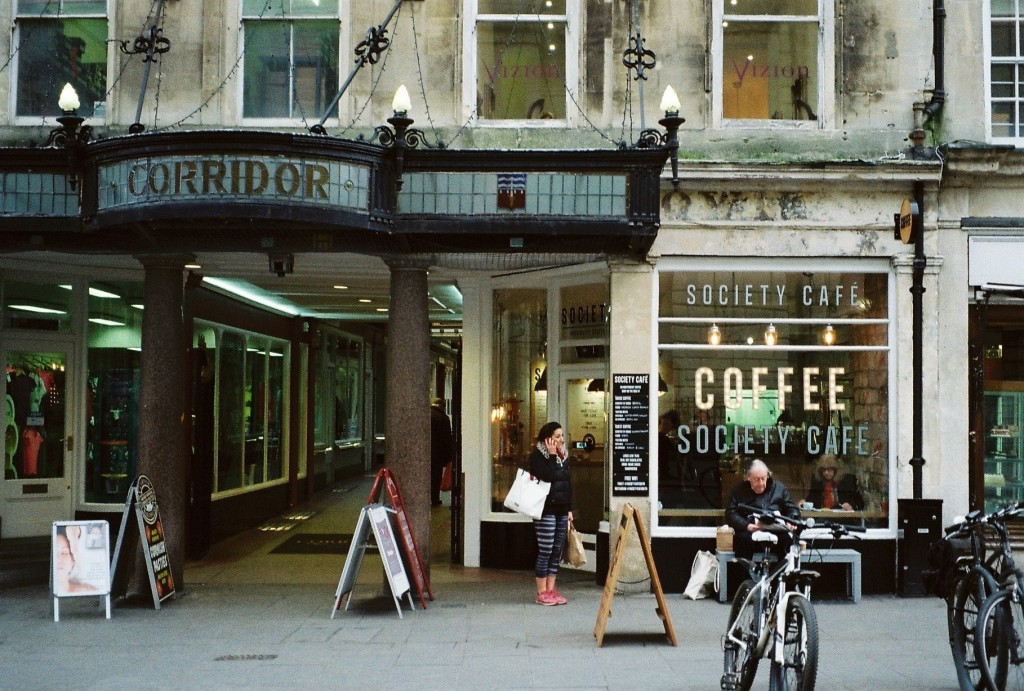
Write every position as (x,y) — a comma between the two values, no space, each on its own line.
(546,599)
(557,597)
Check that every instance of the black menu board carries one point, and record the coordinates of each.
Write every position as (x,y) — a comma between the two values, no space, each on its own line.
(631,434)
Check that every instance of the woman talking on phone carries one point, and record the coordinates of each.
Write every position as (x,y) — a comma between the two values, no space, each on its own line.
(549,461)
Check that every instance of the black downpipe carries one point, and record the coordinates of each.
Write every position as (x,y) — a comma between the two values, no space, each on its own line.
(938,51)
(917,291)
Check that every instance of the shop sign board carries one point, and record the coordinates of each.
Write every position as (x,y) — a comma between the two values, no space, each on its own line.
(631,439)
(142,496)
(374,520)
(80,562)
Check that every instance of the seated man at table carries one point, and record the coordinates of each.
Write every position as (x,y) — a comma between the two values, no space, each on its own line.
(762,491)
(828,492)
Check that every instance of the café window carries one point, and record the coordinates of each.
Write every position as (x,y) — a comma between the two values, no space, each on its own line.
(521,55)
(290,61)
(772,62)
(1006,70)
(791,367)
(61,42)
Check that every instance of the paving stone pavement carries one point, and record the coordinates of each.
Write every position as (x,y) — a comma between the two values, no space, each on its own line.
(252,618)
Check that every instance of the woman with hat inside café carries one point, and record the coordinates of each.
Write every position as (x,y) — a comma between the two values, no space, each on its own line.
(830,491)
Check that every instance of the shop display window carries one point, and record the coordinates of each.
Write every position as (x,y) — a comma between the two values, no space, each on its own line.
(339,390)
(115,351)
(1003,407)
(788,367)
(239,391)
(61,42)
(519,387)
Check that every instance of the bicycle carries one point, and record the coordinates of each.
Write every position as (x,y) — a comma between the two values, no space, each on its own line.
(999,629)
(965,577)
(756,630)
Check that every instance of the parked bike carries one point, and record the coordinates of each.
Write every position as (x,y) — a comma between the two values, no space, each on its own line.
(771,615)
(999,630)
(968,566)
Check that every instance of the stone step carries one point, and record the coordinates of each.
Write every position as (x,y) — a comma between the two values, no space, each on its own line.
(24,561)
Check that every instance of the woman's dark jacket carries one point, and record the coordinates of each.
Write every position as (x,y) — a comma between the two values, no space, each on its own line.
(548,469)
(774,497)
(845,489)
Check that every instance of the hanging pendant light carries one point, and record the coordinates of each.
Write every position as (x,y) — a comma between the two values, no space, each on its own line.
(771,336)
(714,335)
(828,336)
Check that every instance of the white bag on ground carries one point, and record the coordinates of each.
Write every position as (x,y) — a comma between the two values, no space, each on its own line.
(703,576)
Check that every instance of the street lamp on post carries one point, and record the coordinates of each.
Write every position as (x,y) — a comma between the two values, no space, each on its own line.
(71,134)
(670,138)
(400,136)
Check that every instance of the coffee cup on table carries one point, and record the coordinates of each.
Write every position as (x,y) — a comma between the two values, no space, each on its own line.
(807,506)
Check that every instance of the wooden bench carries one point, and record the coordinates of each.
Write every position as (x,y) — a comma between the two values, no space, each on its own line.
(812,556)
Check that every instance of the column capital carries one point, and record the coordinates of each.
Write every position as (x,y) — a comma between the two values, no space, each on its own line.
(175,261)
(421,262)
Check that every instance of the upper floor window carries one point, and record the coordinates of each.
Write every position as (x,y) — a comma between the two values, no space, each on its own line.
(520,59)
(60,42)
(1006,70)
(291,58)
(773,62)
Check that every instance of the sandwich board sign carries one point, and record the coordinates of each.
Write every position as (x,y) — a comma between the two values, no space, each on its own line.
(374,520)
(142,496)
(80,562)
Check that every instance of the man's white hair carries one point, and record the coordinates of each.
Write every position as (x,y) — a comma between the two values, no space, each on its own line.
(758,464)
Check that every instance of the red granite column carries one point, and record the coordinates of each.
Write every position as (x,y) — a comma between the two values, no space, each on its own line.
(407,393)
(163,417)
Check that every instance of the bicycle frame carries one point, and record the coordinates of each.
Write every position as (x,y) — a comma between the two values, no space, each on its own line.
(763,577)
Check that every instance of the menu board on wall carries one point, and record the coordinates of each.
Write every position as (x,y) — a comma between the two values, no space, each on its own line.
(631,439)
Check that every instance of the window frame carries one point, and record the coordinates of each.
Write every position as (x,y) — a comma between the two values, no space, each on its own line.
(50,118)
(989,62)
(826,69)
(310,118)
(469,64)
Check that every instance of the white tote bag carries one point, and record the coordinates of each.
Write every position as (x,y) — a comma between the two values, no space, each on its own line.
(527,495)
(703,576)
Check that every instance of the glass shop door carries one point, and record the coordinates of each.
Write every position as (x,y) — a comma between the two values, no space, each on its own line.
(38,443)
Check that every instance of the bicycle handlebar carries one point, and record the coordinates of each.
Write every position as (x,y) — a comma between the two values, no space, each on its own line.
(776,517)
(996,519)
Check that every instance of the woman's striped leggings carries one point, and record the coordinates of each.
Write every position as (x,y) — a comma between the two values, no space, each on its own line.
(551,532)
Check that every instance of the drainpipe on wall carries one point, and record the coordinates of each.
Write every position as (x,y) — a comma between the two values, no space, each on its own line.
(934,106)
(926,112)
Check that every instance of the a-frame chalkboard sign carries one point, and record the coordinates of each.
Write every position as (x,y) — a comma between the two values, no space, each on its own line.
(142,496)
(630,515)
(375,520)
(386,484)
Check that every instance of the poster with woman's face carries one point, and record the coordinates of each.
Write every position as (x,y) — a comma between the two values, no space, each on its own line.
(81,558)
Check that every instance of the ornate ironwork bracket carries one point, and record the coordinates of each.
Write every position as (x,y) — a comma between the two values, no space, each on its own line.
(637,58)
(70,133)
(373,46)
(152,45)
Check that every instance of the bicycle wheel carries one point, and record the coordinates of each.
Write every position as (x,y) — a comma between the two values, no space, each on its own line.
(999,638)
(970,593)
(745,621)
(799,647)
